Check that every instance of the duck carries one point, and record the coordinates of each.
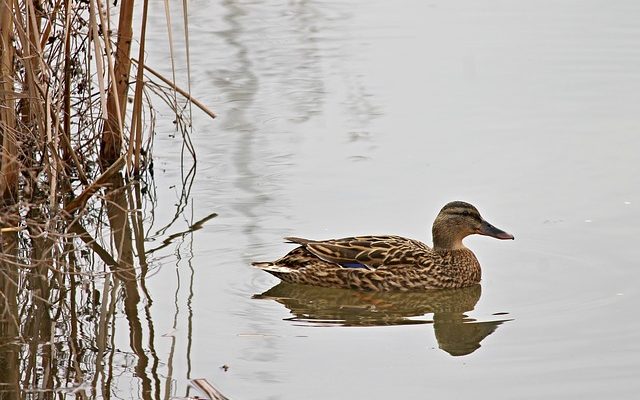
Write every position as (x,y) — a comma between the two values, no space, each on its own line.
(388,262)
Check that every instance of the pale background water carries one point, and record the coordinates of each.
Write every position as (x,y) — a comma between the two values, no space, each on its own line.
(342,118)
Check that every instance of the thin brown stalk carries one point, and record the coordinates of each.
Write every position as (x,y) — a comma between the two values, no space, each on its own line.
(167,16)
(86,237)
(173,86)
(81,200)
(46,32)
(135,199)
(74,158)
(66,133)
(136,124)
(208,389)
(8,162)
(185,21)
(98,51)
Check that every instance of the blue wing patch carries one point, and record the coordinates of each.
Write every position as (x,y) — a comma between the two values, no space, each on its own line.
(354,265)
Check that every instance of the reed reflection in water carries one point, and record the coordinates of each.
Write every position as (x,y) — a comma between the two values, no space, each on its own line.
(456,333)
(63,293)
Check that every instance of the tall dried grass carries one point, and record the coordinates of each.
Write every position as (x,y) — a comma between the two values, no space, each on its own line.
(71,231)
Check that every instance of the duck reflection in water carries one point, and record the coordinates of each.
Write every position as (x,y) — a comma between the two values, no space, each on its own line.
(456,333)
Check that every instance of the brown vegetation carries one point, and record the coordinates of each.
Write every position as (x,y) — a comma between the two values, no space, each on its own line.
(71,234)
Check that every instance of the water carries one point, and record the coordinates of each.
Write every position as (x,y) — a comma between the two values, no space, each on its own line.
(365,117)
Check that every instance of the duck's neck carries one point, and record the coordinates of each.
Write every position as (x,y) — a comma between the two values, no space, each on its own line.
(444,244)
(443,240)
(445,237)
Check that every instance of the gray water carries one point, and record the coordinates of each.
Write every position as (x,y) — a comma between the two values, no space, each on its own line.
(366,117)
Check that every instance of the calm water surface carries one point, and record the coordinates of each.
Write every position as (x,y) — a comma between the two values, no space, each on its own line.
(338,119)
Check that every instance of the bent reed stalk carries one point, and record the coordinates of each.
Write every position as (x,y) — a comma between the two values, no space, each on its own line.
(71,247)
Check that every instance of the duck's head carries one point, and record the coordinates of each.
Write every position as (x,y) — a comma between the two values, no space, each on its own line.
(458,220)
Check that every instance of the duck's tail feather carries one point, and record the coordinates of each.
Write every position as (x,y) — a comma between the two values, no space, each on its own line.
(283,273)
(262,264)
(297,240)
(272,267)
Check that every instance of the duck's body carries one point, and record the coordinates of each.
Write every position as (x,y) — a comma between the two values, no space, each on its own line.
(391,262)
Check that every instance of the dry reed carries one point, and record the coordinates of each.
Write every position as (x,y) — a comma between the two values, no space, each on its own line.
(71,158)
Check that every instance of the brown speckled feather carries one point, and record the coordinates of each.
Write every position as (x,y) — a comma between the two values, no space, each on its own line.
(371,251)
(405,264)
(383,263)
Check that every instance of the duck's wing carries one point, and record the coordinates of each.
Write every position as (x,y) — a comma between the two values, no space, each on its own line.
(365,251)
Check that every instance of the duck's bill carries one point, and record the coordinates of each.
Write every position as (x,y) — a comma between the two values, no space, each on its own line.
(489,230)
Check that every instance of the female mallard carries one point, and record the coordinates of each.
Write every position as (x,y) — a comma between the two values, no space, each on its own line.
(391,262)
